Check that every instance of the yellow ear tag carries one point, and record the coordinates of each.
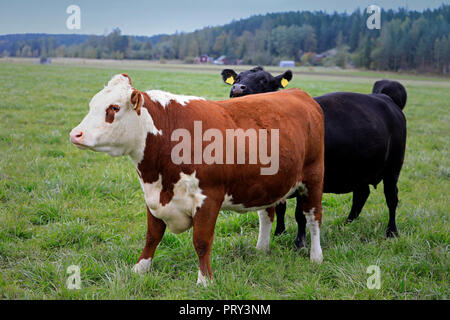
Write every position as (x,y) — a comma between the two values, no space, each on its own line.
(284,82)
(230,80)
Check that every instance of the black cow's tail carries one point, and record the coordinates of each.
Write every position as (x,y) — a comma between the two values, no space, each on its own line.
(395,90)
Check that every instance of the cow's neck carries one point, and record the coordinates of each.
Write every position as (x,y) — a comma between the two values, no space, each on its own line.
(149,154)
(146,127)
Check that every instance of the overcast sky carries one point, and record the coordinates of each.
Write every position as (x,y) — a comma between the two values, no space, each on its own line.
(141,17)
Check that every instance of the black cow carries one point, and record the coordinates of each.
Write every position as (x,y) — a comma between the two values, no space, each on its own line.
(253,81)
(365,140)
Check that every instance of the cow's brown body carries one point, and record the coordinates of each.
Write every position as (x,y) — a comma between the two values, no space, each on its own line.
(301,133)
(293,112)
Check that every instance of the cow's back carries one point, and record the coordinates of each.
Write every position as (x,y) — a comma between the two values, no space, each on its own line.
(361,134)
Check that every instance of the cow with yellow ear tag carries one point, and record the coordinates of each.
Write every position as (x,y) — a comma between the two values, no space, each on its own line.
(255,80)
(365,139)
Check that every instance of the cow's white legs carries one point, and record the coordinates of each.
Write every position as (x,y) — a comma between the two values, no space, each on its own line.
(314,229)
(202,280)
(142,266)
(265,227)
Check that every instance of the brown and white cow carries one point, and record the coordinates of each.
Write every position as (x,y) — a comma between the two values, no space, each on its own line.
(190,190)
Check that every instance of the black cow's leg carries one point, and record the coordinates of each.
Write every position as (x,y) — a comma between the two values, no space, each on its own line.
(360,196)
(280,210)
(391,194)
(300,241)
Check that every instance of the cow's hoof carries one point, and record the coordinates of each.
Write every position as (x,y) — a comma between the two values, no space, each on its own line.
(300,243)
(278,232)
(202,280)
(263,247)
(391,233)
(316,256)
(350,219)
(143,266)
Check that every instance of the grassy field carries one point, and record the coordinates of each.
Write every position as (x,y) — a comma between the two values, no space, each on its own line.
(60,206)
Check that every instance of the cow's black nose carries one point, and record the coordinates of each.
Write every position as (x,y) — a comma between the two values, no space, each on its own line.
(238,88)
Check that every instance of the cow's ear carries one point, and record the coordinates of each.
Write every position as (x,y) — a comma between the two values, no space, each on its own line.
(283,79)
(129,79)
(229,76)
(137,100)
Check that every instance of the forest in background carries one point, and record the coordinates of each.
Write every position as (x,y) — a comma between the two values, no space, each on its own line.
(407,41)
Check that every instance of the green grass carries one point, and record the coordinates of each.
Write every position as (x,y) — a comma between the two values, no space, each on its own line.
(60,206)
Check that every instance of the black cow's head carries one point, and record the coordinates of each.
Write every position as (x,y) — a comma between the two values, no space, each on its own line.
(255,80)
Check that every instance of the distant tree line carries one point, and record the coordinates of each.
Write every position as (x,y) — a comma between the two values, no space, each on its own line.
(407,40)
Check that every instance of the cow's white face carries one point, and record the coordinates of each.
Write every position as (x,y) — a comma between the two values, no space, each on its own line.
(113,124)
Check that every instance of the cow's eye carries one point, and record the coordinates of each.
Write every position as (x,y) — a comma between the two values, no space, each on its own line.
(111,112)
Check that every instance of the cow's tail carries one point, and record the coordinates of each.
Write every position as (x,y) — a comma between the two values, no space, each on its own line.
(395,90)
